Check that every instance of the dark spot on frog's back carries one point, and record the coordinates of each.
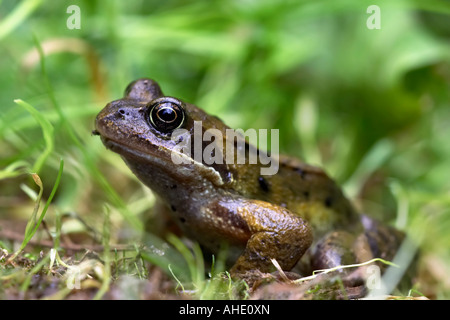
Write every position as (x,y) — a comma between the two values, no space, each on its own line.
(263,184)
(328,201)
(300,171)
(229,176)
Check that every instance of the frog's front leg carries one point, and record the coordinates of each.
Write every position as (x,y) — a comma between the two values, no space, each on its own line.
(270,232)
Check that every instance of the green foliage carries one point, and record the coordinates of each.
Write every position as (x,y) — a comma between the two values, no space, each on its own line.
(370,106)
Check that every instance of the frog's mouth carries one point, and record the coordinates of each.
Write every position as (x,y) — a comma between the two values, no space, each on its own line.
(152,158)
(162,159)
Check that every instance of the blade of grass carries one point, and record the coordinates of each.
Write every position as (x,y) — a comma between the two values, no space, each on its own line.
(373,160)
(179,283)
(34,224)
(17,16)
(54,256)
(14,169)
(47,131)
(161,254)
(402,204)
(33,271)
(306,120)
(194,260)
(106,257)
(325,271)
(57,236)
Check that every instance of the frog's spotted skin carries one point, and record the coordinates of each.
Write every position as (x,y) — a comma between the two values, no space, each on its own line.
(277,216)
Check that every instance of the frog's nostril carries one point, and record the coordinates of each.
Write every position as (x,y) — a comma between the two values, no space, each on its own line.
(123,112)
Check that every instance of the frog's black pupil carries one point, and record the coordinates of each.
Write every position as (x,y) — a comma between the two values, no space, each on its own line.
(166,114)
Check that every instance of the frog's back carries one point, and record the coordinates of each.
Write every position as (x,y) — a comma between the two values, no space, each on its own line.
(306,191)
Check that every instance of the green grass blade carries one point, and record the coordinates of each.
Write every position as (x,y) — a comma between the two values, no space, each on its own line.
(18,16)
(47,131)
(373,160)
(33,271)
(14,169)
(34,224)
(194,260)
(106,257)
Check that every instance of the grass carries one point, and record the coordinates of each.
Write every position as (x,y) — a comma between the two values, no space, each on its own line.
(370,106)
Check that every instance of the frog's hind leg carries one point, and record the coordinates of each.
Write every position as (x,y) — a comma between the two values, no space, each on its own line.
(339,248)
(343,248)
(383,240)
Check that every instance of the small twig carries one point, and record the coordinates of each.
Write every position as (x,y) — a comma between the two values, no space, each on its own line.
(278,267)
(324,271)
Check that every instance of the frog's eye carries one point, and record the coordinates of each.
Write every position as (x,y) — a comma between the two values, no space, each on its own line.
(166,114)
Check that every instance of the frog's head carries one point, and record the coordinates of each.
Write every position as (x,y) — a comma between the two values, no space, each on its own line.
(140,128)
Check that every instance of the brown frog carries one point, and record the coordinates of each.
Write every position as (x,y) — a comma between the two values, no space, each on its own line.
(280,216)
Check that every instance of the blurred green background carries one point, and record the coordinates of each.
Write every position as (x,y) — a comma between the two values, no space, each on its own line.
(372,106)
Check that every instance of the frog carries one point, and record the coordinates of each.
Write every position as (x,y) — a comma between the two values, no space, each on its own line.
(296,218)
